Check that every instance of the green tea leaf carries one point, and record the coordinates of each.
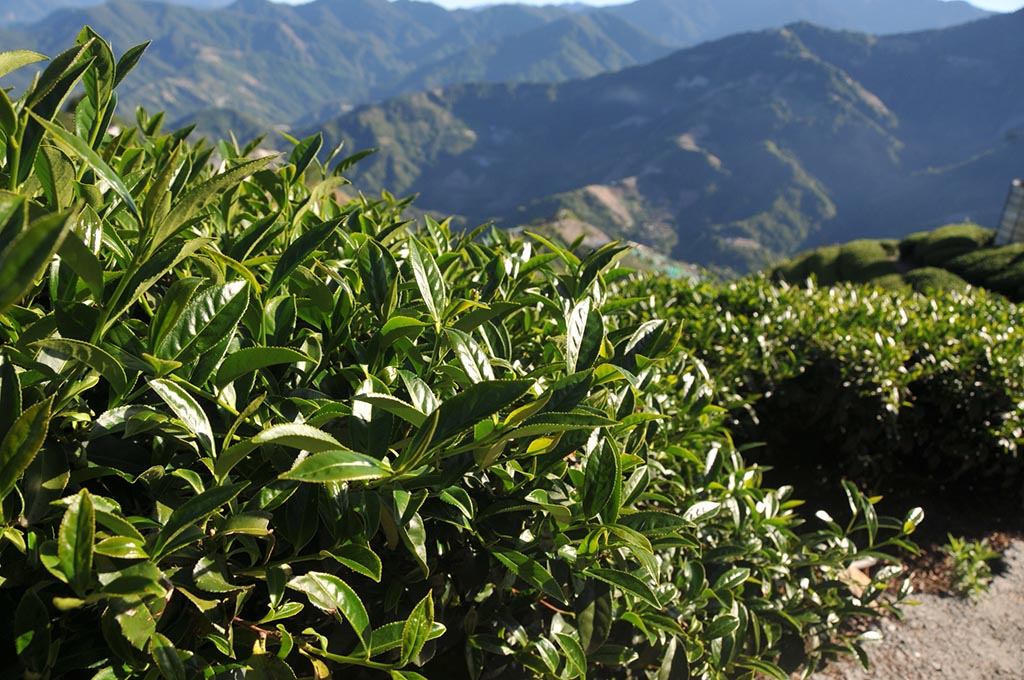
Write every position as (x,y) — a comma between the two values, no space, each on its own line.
(567,257)
(379,272)
(44,100)
(338,466)
(32,637)
(723,625)
(44,482)
(188,411)
(400,327)
(305,151)
(189,205)
(419,444)
(56,175)
(359,558)
(765,668)
(75,542)
(21,444)
(99,77)
(136,621)
(627,582)
(83,262)
(92,356)
(414,536)
(598,260)
(594,616)
(475,403)
(602,486)
(8,117)
(172,304)
(75,145)
(394,405)
(26,256)
(674,665)
(458,498)
(299,251)
(245,524)
(293,435)
(331,594)
(417,628)
(406,675)
(128,61)
(573,653)
(166,658)
(731,579)
(251,359)
(389,637)
(297,436)
(530,571)
(13,60)
(122,547)
(193,512)
(428,280)
(154,269)
(471,356)
(10,396)
(208,318)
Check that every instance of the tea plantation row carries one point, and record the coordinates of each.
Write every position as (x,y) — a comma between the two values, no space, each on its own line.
(905,393)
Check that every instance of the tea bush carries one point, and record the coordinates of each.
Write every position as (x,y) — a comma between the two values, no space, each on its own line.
(248,429)
(948,258)
(928,280)
(896,390)
(863,260)
(980,265)
(935,248)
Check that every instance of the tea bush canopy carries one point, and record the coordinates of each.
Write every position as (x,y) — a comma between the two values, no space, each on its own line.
(247,427)
(948,258)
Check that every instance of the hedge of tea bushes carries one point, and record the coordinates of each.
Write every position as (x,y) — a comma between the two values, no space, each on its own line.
(949,258)
(903,392)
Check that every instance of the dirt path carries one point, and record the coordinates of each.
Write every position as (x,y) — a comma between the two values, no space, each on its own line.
(945,637)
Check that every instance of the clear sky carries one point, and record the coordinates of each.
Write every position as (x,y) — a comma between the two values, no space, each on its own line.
(999,5)
(994,5)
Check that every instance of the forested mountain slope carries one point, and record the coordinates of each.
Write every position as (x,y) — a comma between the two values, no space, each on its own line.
(731,153)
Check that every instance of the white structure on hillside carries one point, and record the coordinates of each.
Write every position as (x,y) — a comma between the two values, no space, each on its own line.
(1011,228)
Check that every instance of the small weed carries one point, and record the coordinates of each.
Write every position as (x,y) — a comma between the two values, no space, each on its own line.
(972,574)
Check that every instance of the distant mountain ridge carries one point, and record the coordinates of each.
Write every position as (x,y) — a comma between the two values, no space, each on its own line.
(27,11)
(279,63)
(732,153)
(683,23)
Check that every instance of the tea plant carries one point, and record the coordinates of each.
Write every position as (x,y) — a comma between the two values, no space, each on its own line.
(249,428)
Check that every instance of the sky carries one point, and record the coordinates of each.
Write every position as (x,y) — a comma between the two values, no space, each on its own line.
(999,5)
(994,5)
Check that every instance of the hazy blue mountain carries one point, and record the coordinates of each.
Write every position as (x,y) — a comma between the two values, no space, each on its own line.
(574,46)
(27,11)
(688,22)
(730,153)
(281,63)
(277,63)
(219,123)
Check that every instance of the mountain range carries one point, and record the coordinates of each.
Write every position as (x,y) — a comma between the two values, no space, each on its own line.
(732,153)
(278,64)
(27,11)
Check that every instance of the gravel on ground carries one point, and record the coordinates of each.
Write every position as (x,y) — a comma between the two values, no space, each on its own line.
(948,637)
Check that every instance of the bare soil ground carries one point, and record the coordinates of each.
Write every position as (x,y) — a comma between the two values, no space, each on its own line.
(948,637)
